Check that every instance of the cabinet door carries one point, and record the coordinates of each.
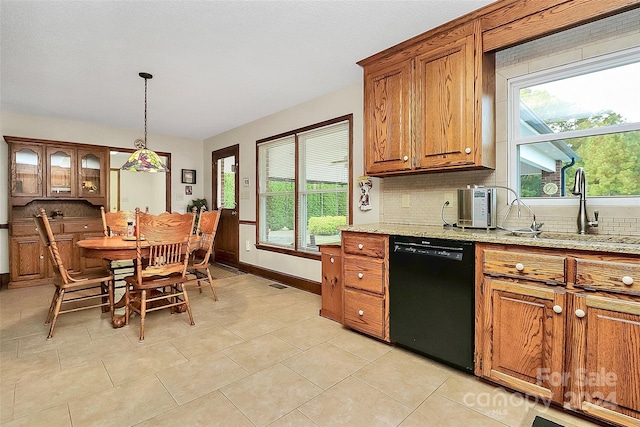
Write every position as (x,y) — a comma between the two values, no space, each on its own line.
(61,172)
(607,331)
(66,249)
(28,260)
(527,338)
(26,170)
(387,105)
(91,173)
(444,105)
(332,285)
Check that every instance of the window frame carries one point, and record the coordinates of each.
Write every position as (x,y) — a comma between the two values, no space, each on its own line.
(514,140)
(297,251)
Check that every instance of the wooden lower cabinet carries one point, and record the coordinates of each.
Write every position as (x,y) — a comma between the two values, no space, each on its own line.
(576,344)
(365,266)
(29,259)
(527,337)
(331,282)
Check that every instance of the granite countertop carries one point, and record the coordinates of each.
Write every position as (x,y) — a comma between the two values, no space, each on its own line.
(591,242)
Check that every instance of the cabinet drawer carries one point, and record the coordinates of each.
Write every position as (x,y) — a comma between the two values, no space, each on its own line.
(608,276)
(364,273)
(362,244)
(364,313)
(30,229)
(82,226)
(528,266)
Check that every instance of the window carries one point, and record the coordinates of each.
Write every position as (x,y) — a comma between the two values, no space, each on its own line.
(584,115)
(303,186)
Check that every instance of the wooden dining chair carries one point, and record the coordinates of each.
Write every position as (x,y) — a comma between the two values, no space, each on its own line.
(71,287)
(159,283)
(199,261)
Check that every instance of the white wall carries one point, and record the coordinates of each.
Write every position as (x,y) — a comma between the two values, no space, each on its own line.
(14,124)
(348,100)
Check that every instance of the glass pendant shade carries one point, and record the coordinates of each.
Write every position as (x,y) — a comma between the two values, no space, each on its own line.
(144,160)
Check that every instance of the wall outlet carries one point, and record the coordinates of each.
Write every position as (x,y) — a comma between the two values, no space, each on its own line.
(406,201)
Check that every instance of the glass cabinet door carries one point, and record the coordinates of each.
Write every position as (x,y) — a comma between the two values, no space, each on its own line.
(60,161)
(91,169)
(26,171)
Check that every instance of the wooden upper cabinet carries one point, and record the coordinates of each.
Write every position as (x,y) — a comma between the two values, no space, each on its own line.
(429,106)
(61,172)
(387,118)
(444,105)
(26,170)
(91,173)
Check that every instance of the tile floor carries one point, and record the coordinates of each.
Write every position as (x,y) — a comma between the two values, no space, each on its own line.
(260,356)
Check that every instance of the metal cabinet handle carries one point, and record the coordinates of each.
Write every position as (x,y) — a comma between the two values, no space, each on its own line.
(360,246)
(557,309)
(519,266)
(360,275)
(627,280)
(332,260)
(580,313)
(361,312)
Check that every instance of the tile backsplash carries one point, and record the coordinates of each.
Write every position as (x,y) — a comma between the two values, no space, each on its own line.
(418,199)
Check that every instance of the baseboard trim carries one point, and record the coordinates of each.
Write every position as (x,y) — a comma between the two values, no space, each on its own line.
(287,279)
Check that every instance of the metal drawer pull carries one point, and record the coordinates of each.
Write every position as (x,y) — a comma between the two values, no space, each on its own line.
(519,266)
(361,312)
(332,260)
(360,246)
(557,309)
(627,280)
(580,313)
(360,275)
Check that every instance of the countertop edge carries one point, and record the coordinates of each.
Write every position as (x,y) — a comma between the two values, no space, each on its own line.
(597,243)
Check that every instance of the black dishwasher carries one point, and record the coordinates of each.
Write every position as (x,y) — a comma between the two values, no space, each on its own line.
(431,298)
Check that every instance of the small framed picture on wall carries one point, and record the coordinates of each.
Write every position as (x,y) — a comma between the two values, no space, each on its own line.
(188,190)
(188,176)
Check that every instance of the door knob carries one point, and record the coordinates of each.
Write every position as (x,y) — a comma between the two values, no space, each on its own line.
(557,309)
(580,313)
(234,213)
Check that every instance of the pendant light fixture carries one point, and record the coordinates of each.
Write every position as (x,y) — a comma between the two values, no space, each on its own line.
(143,159)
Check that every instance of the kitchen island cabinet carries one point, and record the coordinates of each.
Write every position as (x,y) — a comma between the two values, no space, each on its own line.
(568,331)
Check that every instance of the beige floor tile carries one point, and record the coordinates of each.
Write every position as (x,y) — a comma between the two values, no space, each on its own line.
(58,416)
(293,419)
(325,365)
(495,402)
(261,352)
(269,394)
(309,333)
(89,352)
(159,326)
(354,403)
(439,411)
(407,377)
(7,391)
(360,345)
(9,349)
(124,405)
(29,367)
(205,341)
(199,376)
(60,387)
(293,313)
(142,362)
(213,319)
(254,326)
(68,335)
(211,410)
(17,328)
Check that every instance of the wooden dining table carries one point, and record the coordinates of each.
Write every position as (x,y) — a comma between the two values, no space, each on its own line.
(119,248)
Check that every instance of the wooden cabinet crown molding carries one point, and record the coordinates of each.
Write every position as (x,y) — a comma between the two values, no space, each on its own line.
(508,22)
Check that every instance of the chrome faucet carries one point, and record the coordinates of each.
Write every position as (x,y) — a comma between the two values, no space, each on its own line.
(580,188)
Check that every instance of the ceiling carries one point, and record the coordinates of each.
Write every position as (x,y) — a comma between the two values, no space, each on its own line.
(216,64)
